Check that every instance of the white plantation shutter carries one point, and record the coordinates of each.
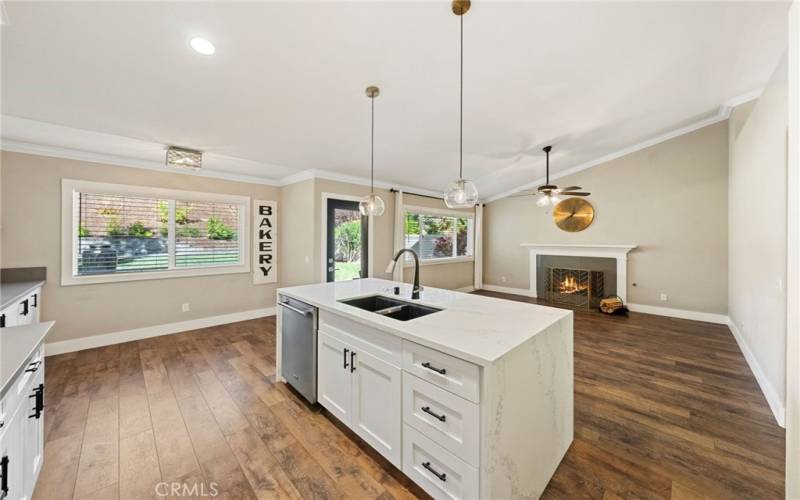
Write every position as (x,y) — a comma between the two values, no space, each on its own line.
(121,234)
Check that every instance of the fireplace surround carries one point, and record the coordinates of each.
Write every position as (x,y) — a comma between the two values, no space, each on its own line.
(619,254)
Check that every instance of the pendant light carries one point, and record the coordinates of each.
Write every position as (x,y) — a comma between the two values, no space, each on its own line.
(462,192)
(372,204)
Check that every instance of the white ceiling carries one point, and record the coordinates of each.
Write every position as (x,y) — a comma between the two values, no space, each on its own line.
(285,90)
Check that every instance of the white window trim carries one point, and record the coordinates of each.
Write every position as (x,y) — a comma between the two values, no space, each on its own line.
(69,234)
(409,261)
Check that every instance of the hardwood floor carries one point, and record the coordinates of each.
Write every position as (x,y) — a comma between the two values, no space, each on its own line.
(664,408)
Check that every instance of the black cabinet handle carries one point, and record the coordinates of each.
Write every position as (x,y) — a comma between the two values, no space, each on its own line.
(35,300)
(25,307)
(2,320)
(4,479)
(352,361)
(345,358)
(427,409)
(433,368)
(38,393)
(441,475)
(33,367)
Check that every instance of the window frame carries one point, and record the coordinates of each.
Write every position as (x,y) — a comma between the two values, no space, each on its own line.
(70,190)
(408,261)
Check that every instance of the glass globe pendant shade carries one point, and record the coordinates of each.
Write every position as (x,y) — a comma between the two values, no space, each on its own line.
(371,205)
(542,201)
(462,194)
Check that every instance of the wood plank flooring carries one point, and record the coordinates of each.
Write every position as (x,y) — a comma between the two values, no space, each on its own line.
(664,408)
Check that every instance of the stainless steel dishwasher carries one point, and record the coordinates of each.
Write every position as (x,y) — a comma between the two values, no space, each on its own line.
(299,346)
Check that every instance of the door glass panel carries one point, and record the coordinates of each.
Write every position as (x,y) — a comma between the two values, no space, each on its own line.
(347,244)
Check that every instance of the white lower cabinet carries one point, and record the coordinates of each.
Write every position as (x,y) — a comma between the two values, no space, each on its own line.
(361,390)
(416,406)
(22,431)
(376,405)
(436,470)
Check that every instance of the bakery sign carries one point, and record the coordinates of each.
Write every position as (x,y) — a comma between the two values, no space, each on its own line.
(265,250)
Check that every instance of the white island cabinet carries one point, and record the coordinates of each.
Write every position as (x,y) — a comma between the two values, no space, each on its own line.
(472,401)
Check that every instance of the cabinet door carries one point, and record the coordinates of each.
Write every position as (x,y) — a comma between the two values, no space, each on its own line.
(24,312)
(333,377)
(11,455)
(33,434)
(9,316)
(376,405)
(34,302)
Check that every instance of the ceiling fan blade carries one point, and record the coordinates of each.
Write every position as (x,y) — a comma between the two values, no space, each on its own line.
(574,193)
(523,194)
(570,188)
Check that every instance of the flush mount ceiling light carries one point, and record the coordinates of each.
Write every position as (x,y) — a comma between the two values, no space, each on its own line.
(202,46)
(462,193)
(184,158)
(372,204)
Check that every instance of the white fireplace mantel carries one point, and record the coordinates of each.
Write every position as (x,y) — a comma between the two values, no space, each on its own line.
(617,252)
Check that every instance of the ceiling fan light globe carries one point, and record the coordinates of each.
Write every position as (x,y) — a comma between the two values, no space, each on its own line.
(554,200)
(371,205)
(542,201)
(462,194)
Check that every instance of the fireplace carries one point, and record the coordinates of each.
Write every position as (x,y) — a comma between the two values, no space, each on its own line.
(574,287)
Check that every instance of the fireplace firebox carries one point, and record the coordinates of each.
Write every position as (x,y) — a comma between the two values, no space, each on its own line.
(574,287)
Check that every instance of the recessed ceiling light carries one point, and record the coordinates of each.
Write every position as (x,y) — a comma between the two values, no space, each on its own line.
(202,46)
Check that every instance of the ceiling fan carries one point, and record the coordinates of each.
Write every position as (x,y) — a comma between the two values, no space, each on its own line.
(548,193)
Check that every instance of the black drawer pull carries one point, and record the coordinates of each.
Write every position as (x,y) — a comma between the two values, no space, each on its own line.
(427,409)
(25,307)
(4,479)
(35,300)
(352,361)
(441,475)
(345,357)
(38,393)
(33,367)
(2,320)
(431,367)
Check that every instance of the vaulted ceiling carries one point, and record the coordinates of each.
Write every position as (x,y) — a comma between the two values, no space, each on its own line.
(285,90)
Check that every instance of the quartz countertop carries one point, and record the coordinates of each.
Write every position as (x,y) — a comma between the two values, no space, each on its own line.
(476,328)
(12,292)
(17,343)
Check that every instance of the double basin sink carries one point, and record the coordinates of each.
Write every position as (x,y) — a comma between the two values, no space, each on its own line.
(400,310)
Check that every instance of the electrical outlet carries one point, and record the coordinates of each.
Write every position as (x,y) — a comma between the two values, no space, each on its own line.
(308,259)
(780,284)
(185,308)
(663,297)
(503,279)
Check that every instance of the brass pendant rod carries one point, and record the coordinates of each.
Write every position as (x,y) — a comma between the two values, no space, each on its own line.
(372,147)
(461,104)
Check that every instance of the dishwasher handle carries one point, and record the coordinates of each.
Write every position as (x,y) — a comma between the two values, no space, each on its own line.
(298,311)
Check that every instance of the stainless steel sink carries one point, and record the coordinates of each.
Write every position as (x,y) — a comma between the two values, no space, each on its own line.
(400,310)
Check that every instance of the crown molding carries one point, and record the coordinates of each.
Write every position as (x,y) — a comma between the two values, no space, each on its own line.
(352,179)
(124,161)
(723,113)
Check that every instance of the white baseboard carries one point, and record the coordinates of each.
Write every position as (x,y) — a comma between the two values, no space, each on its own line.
(506,289)
(773,399)
(720,319)
(152,331)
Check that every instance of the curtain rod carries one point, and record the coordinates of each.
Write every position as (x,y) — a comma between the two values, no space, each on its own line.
(393,190)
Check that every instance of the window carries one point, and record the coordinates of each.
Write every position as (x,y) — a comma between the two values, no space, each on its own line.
(438,235)
(120,233)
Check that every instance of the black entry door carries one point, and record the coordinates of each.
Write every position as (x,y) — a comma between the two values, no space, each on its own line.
(346,257)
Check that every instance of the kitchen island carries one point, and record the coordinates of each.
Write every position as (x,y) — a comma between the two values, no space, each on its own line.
(470,396)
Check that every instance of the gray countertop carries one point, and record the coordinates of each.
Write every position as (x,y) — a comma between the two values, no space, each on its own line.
(17,343)
(12,292)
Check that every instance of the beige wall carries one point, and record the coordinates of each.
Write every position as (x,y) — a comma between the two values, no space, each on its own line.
(297,259)
(31,236)
(669,199)
(451,276)
(757,240)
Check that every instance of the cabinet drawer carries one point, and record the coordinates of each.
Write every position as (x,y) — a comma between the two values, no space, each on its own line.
(363,338)
(456,375)
(436,470)
(449,420)
(19,392)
